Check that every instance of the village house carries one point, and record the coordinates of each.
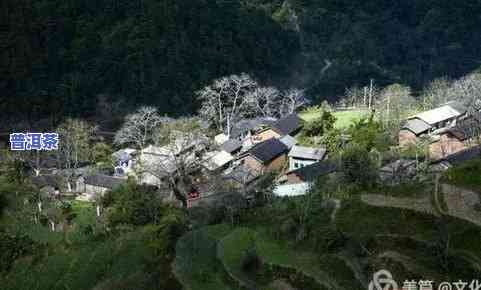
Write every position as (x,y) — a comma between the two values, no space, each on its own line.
(289,141)
(232,146)
(268,156)
(98,184)
(48,184)
(246,128)
(289,125)
(429,121)
(301,156)
(217,161)
(241,176)
(311,172)
(155,164)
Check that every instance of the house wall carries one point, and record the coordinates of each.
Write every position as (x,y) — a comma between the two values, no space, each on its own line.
(253,163)
(295,163)
(265,135)
(293,178)
(407,138)
(276,164)
(80,185)
(446,146)
(92,189)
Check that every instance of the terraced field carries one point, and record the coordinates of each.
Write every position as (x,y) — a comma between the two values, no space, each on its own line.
(404,242)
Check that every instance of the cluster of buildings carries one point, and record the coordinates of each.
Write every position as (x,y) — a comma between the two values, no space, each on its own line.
(255,147)
(265,145)
(446,130)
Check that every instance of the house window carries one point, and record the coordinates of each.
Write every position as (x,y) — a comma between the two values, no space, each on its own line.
(296,165)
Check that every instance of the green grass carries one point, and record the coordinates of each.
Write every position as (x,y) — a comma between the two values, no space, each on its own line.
(362,221)
(467,175)
(196,265)
(344,118)
(233,248)
(321,267)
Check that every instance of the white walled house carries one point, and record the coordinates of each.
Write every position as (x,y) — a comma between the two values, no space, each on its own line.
(301,156)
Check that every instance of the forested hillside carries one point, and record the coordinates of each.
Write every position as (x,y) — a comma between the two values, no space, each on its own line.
(57,57)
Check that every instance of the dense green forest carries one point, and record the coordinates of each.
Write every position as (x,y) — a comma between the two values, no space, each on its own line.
(57,57)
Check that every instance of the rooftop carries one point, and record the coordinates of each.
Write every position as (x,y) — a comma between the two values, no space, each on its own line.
(440,114)
(268,150)
(231,146)
(242,175)
(217,159)
(311,172)
(289,141)
(46,180)
(463,156)
(103,181)
(417,126)
(244,125)
(307,152)
(287,125)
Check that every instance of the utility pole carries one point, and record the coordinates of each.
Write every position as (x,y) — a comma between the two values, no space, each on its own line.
(370,93)
(365,95)
(388,108)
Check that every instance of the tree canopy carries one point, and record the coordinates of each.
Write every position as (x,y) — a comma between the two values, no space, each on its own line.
(65,57)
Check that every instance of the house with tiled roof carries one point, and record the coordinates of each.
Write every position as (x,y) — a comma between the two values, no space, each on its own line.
(301,156)
(267,156)
(430,121)
(100,183)
(310,173)
(289,125)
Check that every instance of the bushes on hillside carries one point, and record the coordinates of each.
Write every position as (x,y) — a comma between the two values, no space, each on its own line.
(13,247)
(136,205)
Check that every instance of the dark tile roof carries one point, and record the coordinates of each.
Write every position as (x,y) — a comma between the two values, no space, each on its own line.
(231,145)
(268,150)
(288,125)
(242,175)
(463,156)
(311,172)
(417,126)
(103,181)
(46,180)
(244,125)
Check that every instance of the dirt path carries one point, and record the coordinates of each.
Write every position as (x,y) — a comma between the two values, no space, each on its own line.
(460,202)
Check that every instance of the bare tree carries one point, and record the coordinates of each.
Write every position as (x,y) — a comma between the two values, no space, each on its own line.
(394,104)
(436,93)
(292,100)
(266,100)
(226,100)
(139,127)
(467,90)
(354,94)
(75,139)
